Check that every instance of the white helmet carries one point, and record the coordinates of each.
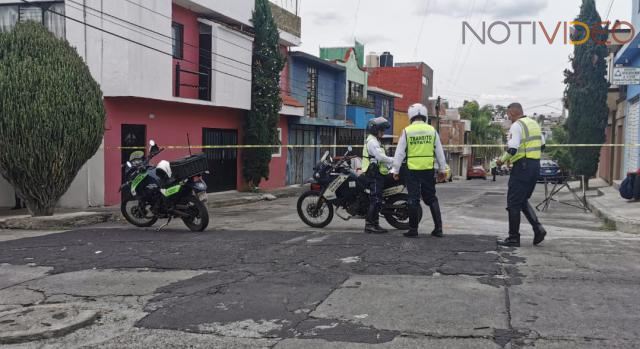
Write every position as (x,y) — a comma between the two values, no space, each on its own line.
(164,166)
(418,110)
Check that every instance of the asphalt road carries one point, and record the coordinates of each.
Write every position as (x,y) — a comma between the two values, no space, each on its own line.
(260,278)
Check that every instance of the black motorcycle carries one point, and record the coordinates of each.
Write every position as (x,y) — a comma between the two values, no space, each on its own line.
(149,194)
(336,184)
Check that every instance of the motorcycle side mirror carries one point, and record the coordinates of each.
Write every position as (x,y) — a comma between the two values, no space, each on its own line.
(152,143)
(129,165)
(350,149)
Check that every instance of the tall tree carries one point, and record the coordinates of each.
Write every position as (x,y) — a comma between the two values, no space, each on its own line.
(262,120)
(51,115)
(586,92)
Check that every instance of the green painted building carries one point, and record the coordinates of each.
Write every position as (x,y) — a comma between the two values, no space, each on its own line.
(352,58)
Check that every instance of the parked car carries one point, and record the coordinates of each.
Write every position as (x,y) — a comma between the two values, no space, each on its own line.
(448,177)
(476,172)
(550,172)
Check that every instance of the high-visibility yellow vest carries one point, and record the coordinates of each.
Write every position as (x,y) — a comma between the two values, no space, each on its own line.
(366,159)
(421,139)
(531,143)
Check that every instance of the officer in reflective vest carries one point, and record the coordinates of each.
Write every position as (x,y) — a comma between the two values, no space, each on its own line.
(420,146)
(525,147)
(375,166)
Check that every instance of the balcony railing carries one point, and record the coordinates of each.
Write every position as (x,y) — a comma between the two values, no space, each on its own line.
(203,87)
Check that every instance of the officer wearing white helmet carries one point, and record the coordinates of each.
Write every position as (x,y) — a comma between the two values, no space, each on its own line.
(420,146)
(375,166)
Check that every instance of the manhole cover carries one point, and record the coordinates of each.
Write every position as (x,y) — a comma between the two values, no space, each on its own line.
(42,321)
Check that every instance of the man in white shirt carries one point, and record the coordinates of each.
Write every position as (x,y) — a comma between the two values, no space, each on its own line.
(420,145)
(525,147)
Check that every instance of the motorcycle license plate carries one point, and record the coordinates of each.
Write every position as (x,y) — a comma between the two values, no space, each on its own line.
(203,197)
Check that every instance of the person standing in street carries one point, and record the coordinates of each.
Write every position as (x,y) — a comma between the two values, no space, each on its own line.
(494,168)
(525,147)
(20,204)
(420,146)
(375,166)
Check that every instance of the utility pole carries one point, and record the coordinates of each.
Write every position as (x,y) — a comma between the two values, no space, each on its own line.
(438,114)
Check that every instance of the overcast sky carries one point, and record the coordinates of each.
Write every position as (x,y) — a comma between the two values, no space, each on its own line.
(489,73)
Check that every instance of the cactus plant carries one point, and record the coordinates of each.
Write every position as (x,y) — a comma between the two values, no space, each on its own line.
(51,115)
(262,120)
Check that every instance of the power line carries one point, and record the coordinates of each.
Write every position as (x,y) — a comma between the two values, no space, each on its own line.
(171,19)
(355,24)
(456,55)
(152,31)
(609,11)
(466,57)
(290,92)
(127,39)
(424,19)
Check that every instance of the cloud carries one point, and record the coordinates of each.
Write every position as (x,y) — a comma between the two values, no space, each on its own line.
(497,98)
(497,9)
(523,81)
(328,18)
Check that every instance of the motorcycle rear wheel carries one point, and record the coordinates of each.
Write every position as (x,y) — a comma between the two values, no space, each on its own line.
(131,211)
(309,212)
(199,220)
(398,217)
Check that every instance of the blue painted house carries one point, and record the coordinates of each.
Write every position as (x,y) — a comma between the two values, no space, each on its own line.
(629,56)
(320,86)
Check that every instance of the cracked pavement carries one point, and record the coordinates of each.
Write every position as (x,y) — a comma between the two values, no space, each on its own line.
(261,279)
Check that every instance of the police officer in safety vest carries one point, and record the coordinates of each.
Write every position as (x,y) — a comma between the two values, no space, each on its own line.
(375,166)
(420,146)
(525,147)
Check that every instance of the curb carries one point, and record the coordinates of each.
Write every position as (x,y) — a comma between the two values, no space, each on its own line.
(622,224)
(253,198)
(112,214)
(59,222)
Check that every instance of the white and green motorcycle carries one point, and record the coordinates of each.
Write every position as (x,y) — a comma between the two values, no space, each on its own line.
(167,191)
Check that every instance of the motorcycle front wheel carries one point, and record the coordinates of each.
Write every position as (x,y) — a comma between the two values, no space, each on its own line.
(396,211)
(199,215)
(138,214)
(314,210)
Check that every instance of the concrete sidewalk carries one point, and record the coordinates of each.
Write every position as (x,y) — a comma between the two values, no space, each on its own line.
(616,211)
(68,219)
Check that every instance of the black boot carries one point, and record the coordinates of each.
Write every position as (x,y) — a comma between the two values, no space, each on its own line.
(374,228)
(415,216)
(514,230)
(437,219)
(539,232)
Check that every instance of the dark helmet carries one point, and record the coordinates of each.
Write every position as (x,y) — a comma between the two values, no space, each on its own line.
(378,124)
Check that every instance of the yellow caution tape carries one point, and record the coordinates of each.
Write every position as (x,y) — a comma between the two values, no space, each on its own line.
(292,146)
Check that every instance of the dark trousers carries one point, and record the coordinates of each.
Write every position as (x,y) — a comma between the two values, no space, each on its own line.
(494,172)
(522,183)
(19,202)
(420,184)
(521,186)
(375,183)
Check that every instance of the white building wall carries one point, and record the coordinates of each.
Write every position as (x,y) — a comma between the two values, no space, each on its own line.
(231,78)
